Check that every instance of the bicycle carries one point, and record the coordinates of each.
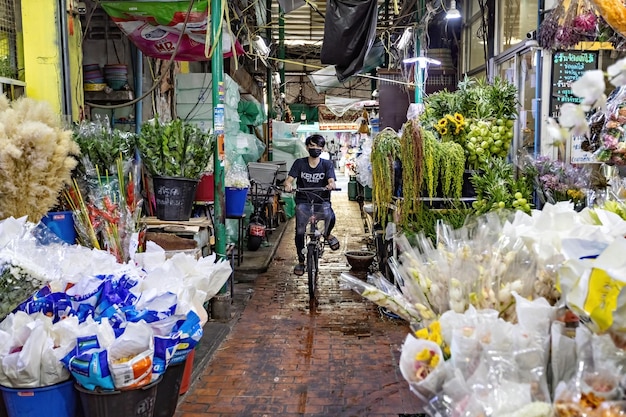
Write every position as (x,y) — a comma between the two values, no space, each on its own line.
(314,244)
(261,216)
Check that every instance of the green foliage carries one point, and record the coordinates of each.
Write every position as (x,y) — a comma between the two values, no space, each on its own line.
(6,69)
(498,189)
(175,149)
(426,219)
(385,149)
(101,146)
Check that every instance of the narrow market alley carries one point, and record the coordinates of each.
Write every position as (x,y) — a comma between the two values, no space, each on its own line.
(283,358)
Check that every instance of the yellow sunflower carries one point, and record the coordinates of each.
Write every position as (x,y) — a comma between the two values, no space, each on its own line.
(451,118)
(459,118)
(442,122)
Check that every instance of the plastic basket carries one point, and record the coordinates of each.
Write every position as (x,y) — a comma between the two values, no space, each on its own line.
(57,400)
(174,198)
(137,402)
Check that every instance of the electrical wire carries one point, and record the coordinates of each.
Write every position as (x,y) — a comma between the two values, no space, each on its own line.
(161,76)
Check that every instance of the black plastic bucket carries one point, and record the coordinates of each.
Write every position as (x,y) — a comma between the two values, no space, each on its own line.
(168,390)
(138,402)
(174,197)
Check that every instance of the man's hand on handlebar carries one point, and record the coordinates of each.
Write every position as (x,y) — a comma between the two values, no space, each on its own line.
(288,187)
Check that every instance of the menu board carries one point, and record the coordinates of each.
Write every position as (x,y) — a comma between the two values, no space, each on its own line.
(567,67)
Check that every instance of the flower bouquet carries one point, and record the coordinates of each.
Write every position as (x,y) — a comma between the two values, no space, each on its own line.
(613,139)
(555,180)
(107,212)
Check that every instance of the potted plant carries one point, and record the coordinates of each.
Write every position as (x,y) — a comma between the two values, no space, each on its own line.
(175,153)
(37,156)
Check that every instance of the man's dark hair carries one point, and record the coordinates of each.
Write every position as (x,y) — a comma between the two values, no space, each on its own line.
(316,140)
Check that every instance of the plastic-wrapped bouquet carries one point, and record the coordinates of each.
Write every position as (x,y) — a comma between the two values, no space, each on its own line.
(613,137)
(495,368)
(555,180)
(108,210)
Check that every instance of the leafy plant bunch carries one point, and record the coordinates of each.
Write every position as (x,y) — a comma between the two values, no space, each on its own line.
(444,164)
(497,188)
(101,146)
(175,149)
(412,158)
(478,116)
(385,149)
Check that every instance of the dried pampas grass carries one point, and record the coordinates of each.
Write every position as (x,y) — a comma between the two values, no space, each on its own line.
(36,158)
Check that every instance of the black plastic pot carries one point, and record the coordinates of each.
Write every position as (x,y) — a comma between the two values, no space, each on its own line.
(174,197)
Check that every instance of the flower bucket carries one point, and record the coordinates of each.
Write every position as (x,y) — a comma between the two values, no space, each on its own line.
(61,223)
(206,188)
(168,391)
(235,201)
(186,381)
(138,402)
(57,400)
(174,197)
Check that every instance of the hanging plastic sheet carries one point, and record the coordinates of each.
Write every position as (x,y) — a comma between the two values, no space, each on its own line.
(326,78)
(155,27)
(351,24)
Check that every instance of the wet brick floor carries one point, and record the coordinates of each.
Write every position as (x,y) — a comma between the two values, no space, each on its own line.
(287,358)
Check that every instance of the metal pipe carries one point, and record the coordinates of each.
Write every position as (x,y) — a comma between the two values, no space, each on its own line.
(66,88)
(268,35)
(138,89)
(218,92)
(538,86)
(281,48)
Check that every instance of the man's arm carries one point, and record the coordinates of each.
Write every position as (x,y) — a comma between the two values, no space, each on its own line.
(289,184)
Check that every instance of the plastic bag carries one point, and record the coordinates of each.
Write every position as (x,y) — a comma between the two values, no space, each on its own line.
(190,334)
(130,357)
(352,27)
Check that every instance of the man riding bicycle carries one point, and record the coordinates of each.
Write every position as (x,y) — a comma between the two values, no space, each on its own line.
(311,172)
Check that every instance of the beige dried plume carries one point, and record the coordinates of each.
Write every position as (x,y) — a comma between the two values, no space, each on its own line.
(36,158)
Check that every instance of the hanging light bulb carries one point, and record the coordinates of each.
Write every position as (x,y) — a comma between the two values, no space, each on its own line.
(453,12)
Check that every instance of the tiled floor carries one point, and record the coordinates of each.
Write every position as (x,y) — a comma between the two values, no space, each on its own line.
(287,358)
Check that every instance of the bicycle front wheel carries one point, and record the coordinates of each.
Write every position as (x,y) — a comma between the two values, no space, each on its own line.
(311,266)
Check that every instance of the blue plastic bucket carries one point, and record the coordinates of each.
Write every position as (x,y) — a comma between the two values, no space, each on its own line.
(235,200)
(62,224)
(57,400)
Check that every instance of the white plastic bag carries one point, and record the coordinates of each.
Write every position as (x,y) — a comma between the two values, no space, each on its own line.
(130,356)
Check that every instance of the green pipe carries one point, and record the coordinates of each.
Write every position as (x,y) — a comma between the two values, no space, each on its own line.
(268,35)
(217,72)
(281,48)
(419,72)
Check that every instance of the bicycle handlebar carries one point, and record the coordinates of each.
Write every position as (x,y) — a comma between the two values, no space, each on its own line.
(315,189)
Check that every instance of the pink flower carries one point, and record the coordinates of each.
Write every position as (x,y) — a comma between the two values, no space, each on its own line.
(610,142)
(586,23)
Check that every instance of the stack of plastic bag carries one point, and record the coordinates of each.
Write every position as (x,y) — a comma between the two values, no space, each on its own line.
(109,325)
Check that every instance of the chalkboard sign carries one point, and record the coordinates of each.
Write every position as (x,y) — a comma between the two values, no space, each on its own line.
(567,67)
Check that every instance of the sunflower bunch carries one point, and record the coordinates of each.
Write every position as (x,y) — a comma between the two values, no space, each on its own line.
(451,128)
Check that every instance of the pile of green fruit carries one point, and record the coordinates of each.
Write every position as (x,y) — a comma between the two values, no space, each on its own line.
(486,139)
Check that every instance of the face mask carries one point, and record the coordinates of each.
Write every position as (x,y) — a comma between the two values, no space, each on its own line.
(314,153)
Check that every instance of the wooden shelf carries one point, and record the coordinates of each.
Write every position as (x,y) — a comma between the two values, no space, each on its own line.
(112,97)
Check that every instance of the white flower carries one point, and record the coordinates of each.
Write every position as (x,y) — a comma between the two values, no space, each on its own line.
(617,73)
(590,87)
(555,131)
(573,119)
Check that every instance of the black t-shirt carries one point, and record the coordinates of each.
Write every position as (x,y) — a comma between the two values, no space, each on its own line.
(307,177)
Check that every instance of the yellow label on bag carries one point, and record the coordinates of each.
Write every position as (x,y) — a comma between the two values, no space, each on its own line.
(601,300)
